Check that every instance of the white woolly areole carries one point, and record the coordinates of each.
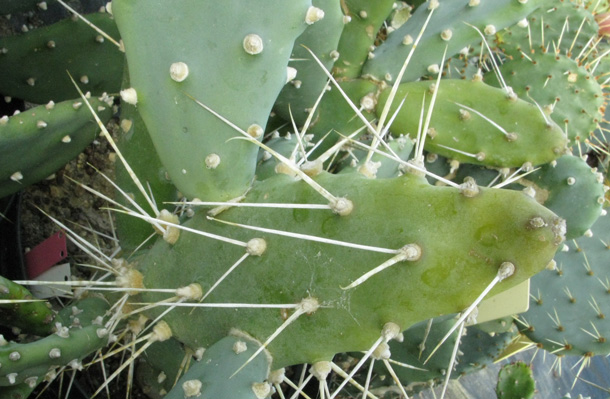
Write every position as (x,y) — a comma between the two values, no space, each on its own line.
(171,233)
(314,14)
(309,305)
(130,96)
(369,169)
(253,44)
(76,364)
(390,331)
(31,381)
(342,206)
(261,389)
(446,34)
(199,354)
(161,332)
(255,131)
(191,388)
(320,370)
(506,269)
(192,291)
(256,246)
(312,168)
(239,347)
(368,102)
(62,331)
(291,73)
(17,176)
(212,161)
(382,352)
(490,30)
(55,353)
(411,252)
(178,71)
(277,376)
(434,69)
(126,125)
(536,222)
(469,188)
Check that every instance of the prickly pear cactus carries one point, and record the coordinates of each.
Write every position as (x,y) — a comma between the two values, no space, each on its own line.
(303,179)
(249,68)
(515,381)
(34,64)
(35,143)
(569,304)
(25,312)
(328,255)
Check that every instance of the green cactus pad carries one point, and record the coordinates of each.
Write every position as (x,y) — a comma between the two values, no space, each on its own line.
(459,125)
(569,306)
(79,332)
(136,146)
(238,77)
(337,117)
(286,145)
(463,242)
(451,27)
(480,348)
(379,166)
(565,26)
(321,38)
(21,391)
(483,176)
(559,85)
(363,20)
(37,142)
(159,367)
(13,6)
(477,349)
(438,166)
(32,317)
(571,189)
(216,375)
(34,64)
(515,381)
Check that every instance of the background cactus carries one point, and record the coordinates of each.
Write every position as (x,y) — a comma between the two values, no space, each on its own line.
(515,381)
(57,131)
(311,243)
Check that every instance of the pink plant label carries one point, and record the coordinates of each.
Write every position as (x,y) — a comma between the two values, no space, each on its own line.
(46,254)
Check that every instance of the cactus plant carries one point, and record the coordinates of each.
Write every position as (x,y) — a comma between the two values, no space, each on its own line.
(34,64)
(52,134)
(328,235)
(515,381)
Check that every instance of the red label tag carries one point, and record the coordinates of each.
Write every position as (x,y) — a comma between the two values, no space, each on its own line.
(46,254)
